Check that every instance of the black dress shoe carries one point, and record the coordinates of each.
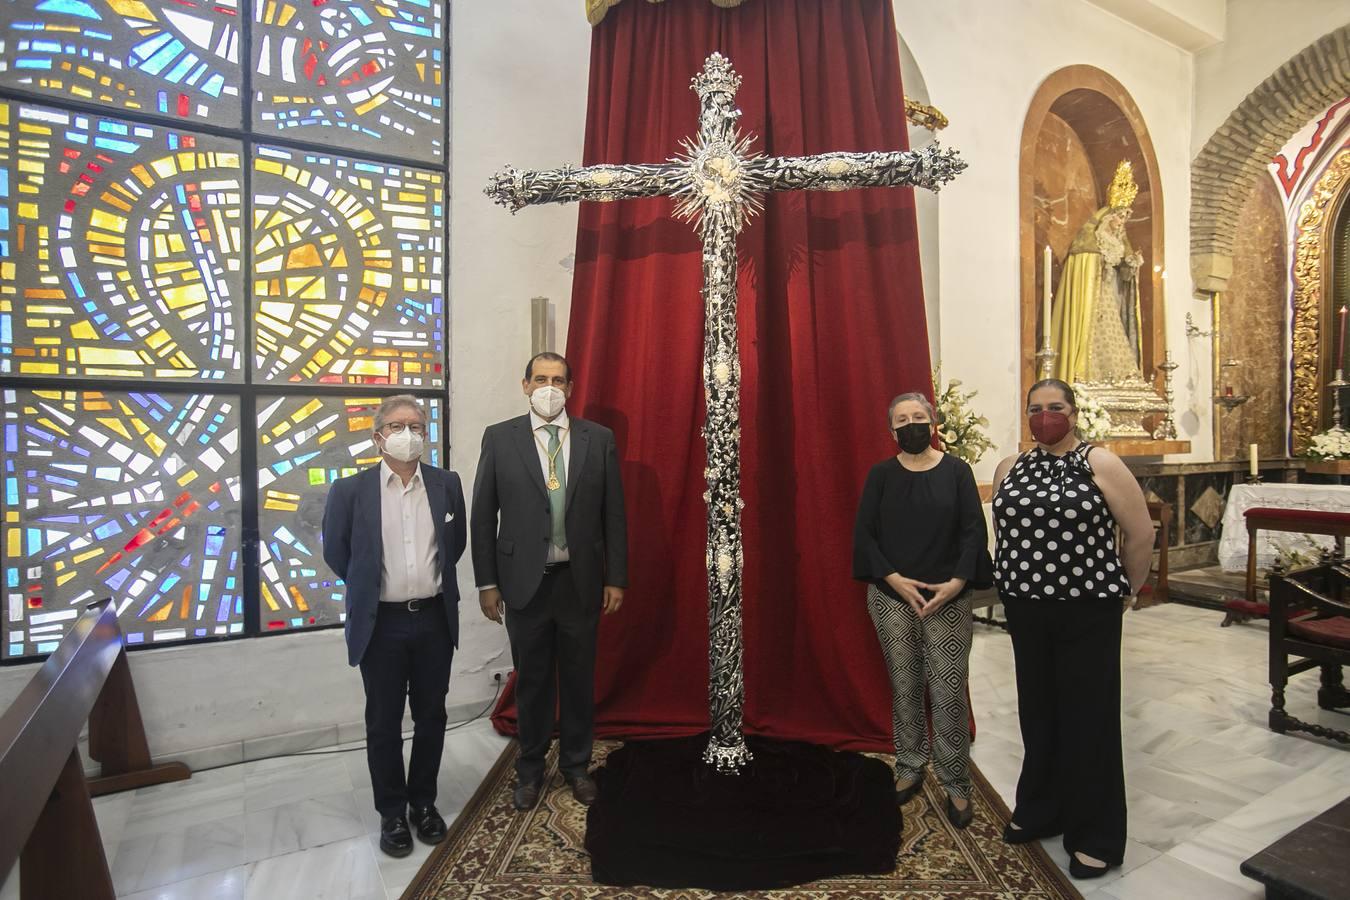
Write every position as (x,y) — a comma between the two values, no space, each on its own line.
(905,794)
(960,818)
(429,824)
(395,838)
(526,795)
(583,788)
(1083,870)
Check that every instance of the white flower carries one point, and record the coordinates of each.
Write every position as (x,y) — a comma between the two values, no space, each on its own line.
(1334,443)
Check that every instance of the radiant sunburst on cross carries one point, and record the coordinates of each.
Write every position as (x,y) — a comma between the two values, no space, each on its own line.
(717,183)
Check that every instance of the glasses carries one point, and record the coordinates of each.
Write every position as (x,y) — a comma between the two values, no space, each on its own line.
(398,427)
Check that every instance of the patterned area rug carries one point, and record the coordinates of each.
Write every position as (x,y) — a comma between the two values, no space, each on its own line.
(496,853)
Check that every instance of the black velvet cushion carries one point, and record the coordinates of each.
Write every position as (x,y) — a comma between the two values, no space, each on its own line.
(799,812)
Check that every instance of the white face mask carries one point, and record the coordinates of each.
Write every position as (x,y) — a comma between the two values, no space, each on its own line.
(404,446)
(547,401)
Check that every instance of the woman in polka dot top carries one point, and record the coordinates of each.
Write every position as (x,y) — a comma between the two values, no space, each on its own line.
(1064,583)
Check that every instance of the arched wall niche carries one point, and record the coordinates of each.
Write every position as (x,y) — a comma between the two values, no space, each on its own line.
(1081,123)
(925,207)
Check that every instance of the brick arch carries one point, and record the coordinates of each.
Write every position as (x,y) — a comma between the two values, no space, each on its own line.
(1236,155)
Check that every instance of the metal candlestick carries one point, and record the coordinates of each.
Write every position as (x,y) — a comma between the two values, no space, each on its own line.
(1167,428)
(1336,386)
(1045,360)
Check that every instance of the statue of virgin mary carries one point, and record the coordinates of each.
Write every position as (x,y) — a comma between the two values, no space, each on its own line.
(1094,324)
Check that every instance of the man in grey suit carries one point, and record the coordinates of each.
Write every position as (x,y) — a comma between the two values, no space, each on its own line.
(550,552)
(393,533)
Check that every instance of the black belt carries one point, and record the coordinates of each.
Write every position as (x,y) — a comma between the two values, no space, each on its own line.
(550,568)
(417,604)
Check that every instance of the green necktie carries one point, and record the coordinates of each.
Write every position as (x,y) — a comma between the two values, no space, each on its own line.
(557,497)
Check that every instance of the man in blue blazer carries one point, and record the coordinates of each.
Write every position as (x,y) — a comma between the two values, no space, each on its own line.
(393,533)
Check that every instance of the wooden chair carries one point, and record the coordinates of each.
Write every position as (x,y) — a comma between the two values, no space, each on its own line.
(1160,511)
(1321,639)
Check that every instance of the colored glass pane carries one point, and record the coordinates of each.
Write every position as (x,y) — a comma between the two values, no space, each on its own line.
(119,248)
(356,74)
(348,277)
(178,59)
(304,445)
(133,496)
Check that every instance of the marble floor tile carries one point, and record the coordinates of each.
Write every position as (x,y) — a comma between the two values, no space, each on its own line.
(276,782)
(302,825)
(345,870)
(1136,855)
(1168,877)
(153,860)
(1159,822)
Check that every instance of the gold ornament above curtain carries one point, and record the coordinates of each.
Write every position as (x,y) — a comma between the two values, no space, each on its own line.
(596,9)
(920,114)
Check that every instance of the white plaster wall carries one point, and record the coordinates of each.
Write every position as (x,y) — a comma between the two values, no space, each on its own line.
(983,63)
(1261,35)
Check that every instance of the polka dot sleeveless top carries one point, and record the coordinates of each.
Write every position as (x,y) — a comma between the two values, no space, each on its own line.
(1056,536)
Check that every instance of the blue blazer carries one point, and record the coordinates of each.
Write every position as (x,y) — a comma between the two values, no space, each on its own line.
(353,546)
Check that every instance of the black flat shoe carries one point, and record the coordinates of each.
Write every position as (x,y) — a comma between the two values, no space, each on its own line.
(395,838)
(429,824)
(1082,870)
(1027,835)
(905,794)
(960,818)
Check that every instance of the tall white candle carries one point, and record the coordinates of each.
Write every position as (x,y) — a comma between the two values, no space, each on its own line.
(1251,458)
(1045,298)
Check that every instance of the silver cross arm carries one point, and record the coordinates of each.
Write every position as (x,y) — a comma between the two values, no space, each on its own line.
(515,189)
(928,167)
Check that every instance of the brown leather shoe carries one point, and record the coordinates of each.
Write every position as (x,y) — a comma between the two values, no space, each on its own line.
(526,795)
(583,788)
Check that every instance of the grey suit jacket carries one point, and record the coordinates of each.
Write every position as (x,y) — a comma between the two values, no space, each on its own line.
(353,546)
(511,524)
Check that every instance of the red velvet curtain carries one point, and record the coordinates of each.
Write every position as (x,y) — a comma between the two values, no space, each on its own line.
(831,327)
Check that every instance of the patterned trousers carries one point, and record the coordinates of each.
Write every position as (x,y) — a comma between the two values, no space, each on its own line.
(932,652)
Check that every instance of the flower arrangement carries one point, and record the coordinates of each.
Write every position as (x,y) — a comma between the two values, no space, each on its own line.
(1334,443)
(1094,422)
(1297,552)
(960,429)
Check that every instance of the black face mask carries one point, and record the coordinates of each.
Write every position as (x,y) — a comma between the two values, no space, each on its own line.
(915,437)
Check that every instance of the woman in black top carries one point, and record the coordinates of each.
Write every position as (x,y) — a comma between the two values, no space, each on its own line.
(1064,585)
(919,534)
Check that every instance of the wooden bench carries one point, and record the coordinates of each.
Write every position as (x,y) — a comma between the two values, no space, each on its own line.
(1298,521)
(1309,862)
(48,818)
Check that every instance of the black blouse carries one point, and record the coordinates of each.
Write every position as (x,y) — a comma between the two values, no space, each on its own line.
(925,525)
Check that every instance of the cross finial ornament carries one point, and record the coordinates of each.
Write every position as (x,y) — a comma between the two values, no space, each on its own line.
(717,183)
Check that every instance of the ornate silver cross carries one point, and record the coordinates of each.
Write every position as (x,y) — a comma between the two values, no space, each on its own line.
(716,183)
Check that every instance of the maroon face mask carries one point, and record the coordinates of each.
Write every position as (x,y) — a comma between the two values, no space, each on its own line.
(1049,428)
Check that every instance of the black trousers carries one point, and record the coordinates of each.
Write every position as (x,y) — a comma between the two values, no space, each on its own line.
(553,644)
(1068,697)
(407,661)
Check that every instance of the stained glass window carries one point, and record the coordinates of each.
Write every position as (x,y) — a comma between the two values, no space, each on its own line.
(129,237)
(133,496)
(205,207)
(304,445)
(178,59)
(355,74)
(347,269)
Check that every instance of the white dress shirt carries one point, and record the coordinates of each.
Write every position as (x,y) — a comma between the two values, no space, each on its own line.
(411,563)
(555,554)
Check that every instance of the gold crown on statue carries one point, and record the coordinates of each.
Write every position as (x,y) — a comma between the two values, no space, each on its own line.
(1123,190)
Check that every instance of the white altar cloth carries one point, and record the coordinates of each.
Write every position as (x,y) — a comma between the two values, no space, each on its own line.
(1242,497)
